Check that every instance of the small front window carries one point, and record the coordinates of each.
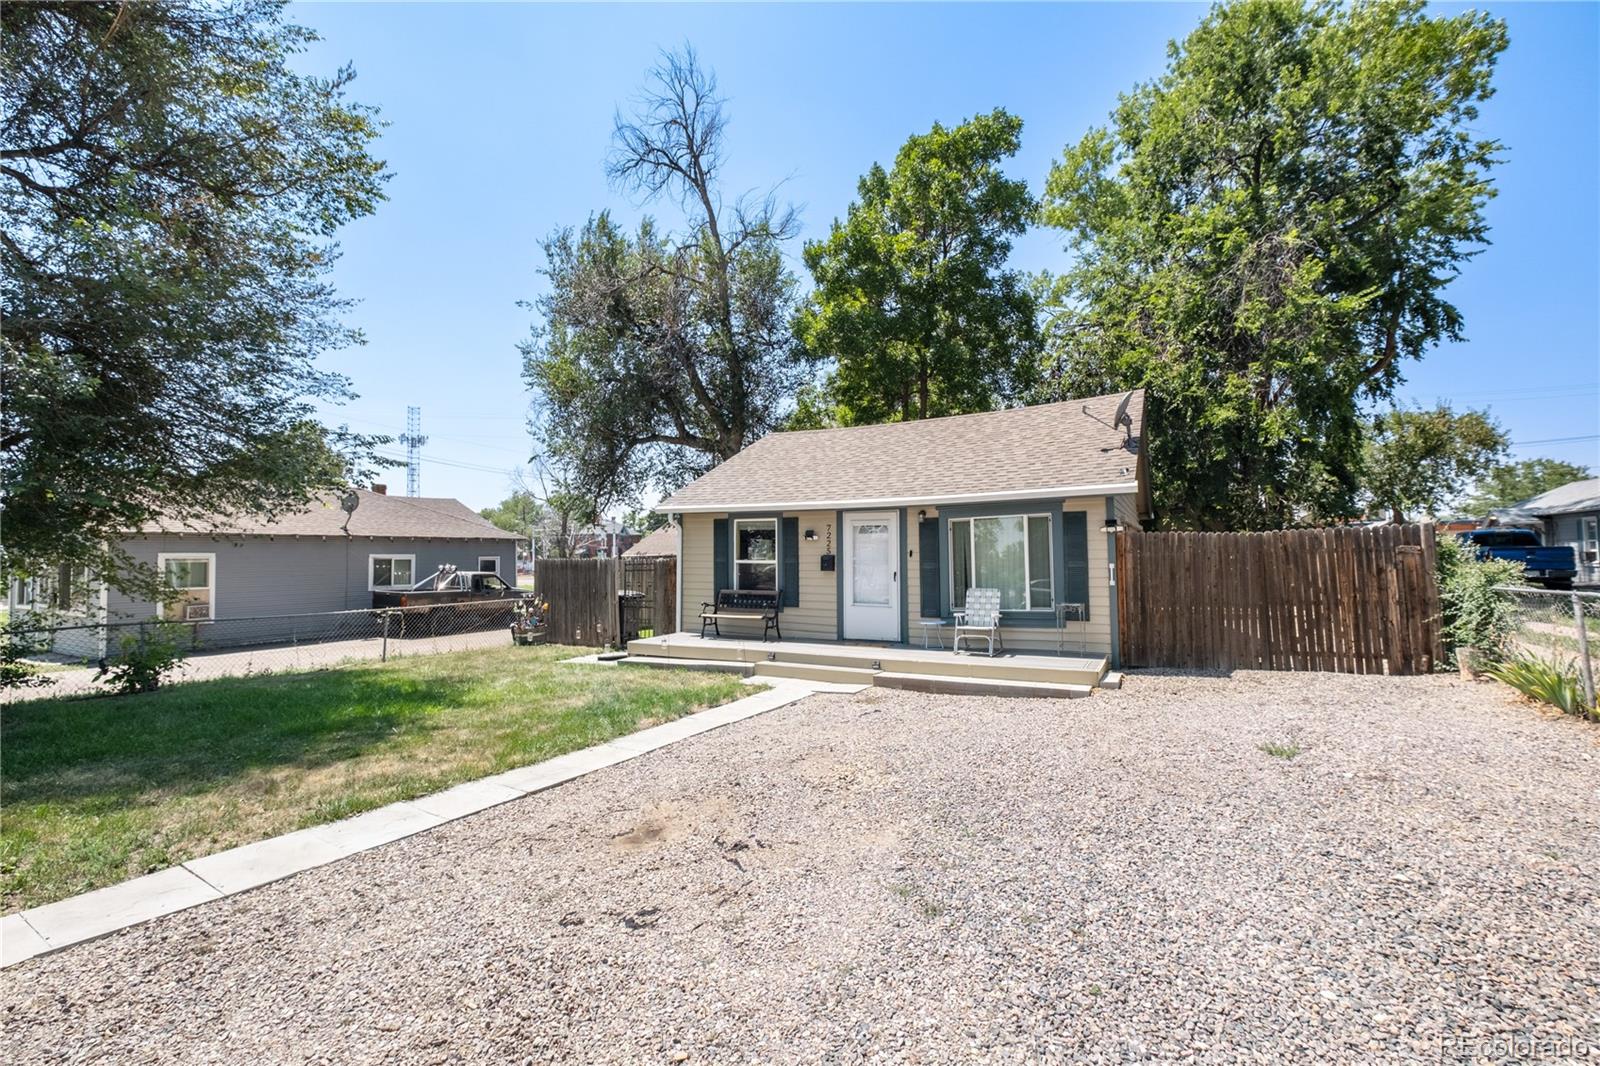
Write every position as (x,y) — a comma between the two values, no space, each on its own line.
(192,579)
(755,562)
(392,571)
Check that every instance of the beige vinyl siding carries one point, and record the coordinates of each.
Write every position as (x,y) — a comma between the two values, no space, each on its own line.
(1128,510)
(694,579)
(817,615)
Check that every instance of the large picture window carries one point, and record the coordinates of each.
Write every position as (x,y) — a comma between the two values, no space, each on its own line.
(391,571)
(1006,552)
(755,554)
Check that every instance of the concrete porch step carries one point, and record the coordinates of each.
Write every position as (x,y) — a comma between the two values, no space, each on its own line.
(710,666)
(849,675)
(950,684)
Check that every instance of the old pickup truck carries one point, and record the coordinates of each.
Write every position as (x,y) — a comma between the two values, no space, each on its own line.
(447,586)
(1553,567)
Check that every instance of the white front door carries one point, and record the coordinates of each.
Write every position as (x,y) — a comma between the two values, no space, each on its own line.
(872,576)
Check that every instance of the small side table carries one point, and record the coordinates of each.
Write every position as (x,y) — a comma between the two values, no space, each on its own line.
(934,626)
(1077,612)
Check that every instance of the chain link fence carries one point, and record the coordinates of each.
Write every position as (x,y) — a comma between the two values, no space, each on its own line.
(76,658)
(1557,627)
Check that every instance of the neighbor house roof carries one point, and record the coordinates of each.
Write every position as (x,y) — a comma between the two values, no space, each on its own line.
(376,515)
(663,541)
(1574,496)
(1056,449)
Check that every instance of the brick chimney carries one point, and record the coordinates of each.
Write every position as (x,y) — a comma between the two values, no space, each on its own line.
(380,488)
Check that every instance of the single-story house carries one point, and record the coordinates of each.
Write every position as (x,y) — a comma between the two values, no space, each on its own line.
(316,560)
(663,541)
(1570,515)
(864,531)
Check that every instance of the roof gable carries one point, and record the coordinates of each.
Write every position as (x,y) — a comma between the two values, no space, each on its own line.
(1066,448)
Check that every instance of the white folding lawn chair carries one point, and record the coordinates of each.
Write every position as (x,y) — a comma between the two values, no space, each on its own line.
(980,618)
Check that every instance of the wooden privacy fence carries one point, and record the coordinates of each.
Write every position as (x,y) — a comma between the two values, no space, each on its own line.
(582,594)
(1359,601)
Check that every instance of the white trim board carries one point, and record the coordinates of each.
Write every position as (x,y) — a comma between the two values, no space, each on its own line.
(1116,488)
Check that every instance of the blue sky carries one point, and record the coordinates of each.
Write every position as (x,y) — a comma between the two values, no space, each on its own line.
(500,117)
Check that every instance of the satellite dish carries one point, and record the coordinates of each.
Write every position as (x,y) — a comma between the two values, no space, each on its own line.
(1122,417)
(348,503)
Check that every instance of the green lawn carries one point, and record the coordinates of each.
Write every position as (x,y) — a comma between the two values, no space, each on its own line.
(97,791)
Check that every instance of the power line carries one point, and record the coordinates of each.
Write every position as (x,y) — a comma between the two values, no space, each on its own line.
(1556,440)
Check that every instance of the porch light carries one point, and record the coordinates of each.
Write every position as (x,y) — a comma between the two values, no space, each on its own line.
(811,534)
(1113,526)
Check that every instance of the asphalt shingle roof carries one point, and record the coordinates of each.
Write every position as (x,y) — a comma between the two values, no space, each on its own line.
(1050,449)
(1573,496)
(377,515)
(663,541)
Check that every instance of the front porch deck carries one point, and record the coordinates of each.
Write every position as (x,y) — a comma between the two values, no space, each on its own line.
(887,665)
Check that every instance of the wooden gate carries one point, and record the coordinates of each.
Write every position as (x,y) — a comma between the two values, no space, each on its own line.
(583,596)
(1360,601)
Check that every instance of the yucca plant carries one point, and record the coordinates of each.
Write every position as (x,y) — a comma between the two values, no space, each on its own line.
(1547,681)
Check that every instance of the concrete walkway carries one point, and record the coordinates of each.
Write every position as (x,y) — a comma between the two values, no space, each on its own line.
(94,914)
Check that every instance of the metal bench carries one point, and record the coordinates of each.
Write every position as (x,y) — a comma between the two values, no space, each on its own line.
(743,606)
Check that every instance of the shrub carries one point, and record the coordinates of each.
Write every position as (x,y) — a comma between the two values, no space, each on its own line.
(146,658)
(1547,681)
(1474,614)
(20,639)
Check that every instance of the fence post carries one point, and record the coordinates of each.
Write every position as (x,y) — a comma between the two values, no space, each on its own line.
(1584,668)
(383,657)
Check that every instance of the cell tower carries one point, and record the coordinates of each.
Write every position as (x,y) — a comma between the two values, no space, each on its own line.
(413,440)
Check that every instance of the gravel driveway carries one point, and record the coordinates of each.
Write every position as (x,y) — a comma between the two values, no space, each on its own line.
(929,878)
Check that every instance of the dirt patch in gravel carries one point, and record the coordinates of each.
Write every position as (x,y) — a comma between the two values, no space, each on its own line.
(1149,873)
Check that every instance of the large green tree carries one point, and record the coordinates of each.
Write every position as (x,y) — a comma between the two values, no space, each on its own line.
(1264,235)
(520,512)
(656,355)
(913,301)
(1417,461)
(170,187)
(1511,483)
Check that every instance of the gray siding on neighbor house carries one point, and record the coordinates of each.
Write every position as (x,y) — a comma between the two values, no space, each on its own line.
(1567,529)
(259,576)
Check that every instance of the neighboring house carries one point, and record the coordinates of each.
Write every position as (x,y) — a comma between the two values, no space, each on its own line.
(865,531)
(663,541)
(1571,516)
(310,561)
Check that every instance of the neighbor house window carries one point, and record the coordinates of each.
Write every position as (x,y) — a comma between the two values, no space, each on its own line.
(391,571)
(193,582)
(1006,552)
(489,564)
(755,556)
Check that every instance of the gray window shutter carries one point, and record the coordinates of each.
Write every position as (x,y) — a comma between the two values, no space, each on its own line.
(721,553)
(1075,549)
(928,565)
(789,578)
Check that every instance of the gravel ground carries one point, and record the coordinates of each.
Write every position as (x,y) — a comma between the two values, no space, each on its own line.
(930,878)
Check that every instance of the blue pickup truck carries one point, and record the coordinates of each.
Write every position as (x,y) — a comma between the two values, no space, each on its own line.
(1552,567)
